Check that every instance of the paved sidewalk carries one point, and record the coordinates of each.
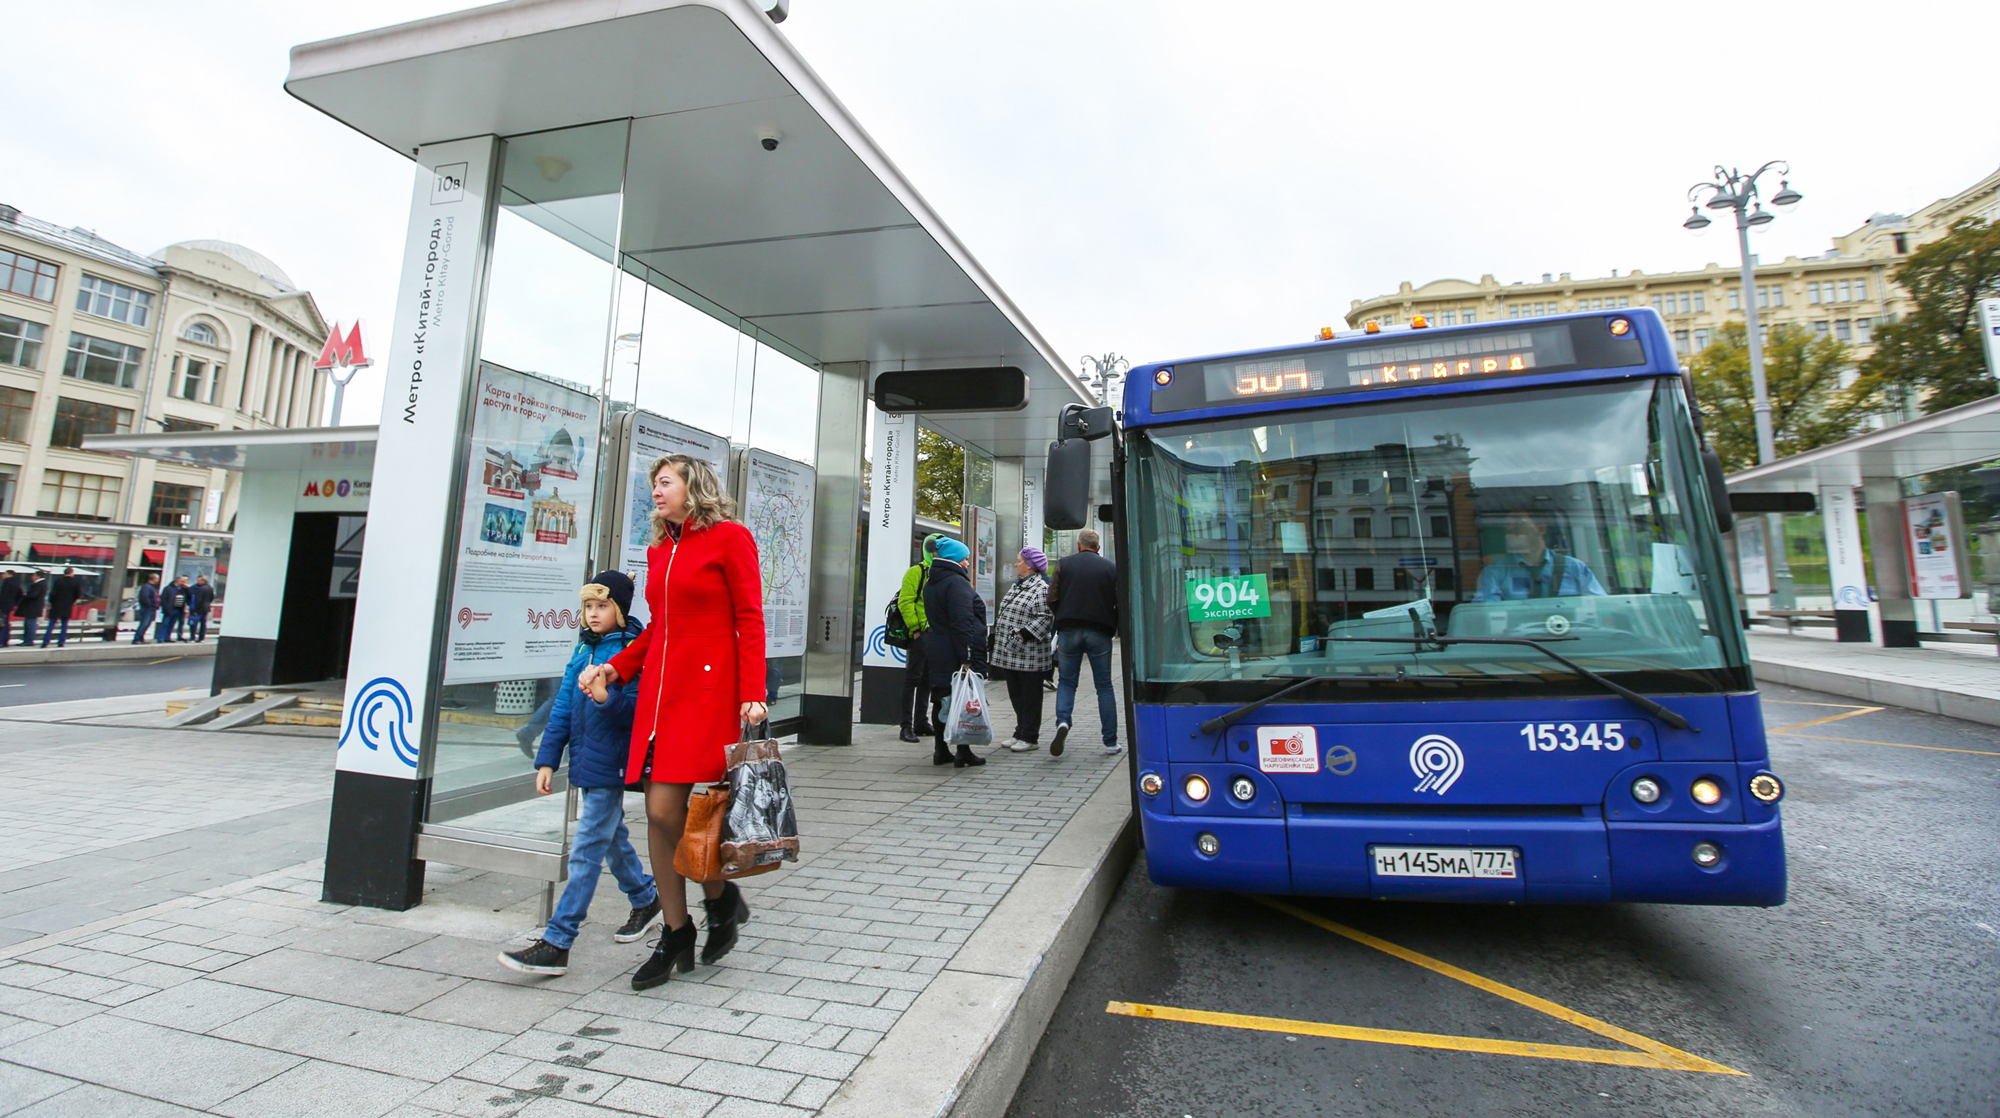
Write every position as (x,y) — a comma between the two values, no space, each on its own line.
(1959,681)
(249,997)
(81,650)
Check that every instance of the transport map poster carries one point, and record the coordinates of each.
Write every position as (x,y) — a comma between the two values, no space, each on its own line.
(778,508)
(652,437)
(524,536)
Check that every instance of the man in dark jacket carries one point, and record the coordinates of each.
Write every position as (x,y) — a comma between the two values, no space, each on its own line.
(10,596)
(1084,595)
(64,590)
(200,598)
(149,605)
(33,599)
(955,637)
(173,611)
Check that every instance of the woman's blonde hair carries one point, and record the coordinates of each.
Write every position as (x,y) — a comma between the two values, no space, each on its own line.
(707,504)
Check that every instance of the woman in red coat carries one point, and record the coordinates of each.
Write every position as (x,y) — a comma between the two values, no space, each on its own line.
(700,666)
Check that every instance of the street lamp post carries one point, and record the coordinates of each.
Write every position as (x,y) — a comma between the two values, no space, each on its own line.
(1731,189)
(1103,373)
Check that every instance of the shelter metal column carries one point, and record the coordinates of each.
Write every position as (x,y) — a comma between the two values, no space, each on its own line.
(826,709)
(1890,568)
(891,516)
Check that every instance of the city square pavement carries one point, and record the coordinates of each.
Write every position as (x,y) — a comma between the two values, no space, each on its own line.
(163,948)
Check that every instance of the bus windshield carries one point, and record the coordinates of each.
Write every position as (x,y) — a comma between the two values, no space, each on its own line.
(1270,545)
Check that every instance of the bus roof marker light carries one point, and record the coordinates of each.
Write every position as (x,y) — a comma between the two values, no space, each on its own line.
(1372,327)
(1164,377)
(1419,322)
(1620,327)
(1326,333)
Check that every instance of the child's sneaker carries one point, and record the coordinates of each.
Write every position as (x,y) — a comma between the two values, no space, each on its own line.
(539,957)
(639,923)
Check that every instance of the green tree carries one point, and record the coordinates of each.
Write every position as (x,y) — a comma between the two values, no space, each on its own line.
(1802,377)
(1935,353)
(940,477)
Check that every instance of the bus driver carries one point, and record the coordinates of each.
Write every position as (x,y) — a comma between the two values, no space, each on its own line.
(1530,569)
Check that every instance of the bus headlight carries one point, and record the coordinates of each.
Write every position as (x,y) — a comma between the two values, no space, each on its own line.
(1197,788)
(1706,792)
(1707,854)
(1646,790)
(1244,789)
(1208,844)
(1766,788)
(1151,784)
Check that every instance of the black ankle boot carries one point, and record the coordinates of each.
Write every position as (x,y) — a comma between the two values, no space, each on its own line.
(941,755)
(675,949)
(967,757)
(725,914)
(909,735)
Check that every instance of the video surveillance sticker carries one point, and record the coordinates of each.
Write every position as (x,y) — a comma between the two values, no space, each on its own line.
(1288,749)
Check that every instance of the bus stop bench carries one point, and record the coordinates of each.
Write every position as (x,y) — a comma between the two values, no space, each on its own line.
(1989,627)
(1793,618)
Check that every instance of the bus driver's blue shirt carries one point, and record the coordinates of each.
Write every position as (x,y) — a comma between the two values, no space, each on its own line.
(1511,578)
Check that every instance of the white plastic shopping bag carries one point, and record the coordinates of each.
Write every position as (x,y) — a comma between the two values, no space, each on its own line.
(966,722)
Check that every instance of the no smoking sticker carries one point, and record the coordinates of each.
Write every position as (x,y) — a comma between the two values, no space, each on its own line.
(1287,749)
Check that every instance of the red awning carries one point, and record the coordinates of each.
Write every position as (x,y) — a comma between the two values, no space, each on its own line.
(6,549)
(152,556)
(75,553)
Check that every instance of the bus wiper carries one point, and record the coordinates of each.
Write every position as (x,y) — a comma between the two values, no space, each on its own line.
(1434,642)
(1294,683)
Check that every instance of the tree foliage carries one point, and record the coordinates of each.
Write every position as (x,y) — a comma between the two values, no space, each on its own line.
(1802,377)
(940,477)
(1935,353)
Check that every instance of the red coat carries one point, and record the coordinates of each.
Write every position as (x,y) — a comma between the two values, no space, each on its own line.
(703,652)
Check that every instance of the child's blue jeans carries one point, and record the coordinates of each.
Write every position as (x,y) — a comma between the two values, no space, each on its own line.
(601,838)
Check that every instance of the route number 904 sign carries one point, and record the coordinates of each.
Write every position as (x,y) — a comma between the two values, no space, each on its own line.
(1228,598)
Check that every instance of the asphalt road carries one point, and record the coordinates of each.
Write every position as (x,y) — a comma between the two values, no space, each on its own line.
(21,684)
(1874,991)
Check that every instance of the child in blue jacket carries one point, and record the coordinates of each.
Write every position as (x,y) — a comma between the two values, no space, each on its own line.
(598,733)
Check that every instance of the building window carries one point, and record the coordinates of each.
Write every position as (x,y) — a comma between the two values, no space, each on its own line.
(25,275)
(175,506)
(1861,291)
(9,478)
(1812,293)
(1323,489)
(1735,298)
(1364,578)
(1471,317)
(1626,301)
(1447,318)
(1399,527)
(77,418)
(1359,486)
(200,332)
(75,496)
(1444,578)
(1680,341)
(115,301)
(1281,493)
(21,342)
(1902,243)
(1323,527)
(172,424)
(1820,329)
(1328,578)
(1844,330)
(1399,485)
(1364,528)
(194,380)
(1864,331)
(105,362)
(1701,302)
(1440,526)
(16,406)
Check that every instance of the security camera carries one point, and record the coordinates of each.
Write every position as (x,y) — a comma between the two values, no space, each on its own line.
(769,137)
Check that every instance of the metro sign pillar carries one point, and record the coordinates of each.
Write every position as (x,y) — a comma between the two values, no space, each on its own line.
(339,360)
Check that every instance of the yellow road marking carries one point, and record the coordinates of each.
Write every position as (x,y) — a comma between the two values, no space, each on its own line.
(1822,721)
(1900,745)
(1668,1056)
(169,659)
(1803,703)
(1407,1039)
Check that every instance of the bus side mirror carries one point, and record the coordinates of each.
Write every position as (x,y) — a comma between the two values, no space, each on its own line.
(1718,489)
(1066,486)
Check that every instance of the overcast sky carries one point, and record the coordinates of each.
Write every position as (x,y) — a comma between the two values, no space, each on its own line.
(1151,177)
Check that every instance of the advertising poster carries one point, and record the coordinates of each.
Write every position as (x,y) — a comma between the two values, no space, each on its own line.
(524,533)
(778,509)
(981,528)
(1751,556)
(891,505)
(1843,548)
(650,438)
(1934,536)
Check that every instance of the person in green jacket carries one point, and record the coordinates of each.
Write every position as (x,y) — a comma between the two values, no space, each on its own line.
(916,720)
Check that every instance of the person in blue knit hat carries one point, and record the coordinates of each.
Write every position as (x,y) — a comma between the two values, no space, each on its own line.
(595,726)
(956,637)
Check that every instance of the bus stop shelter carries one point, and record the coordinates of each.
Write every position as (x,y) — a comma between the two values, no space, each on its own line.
(1872,472)
(633,227)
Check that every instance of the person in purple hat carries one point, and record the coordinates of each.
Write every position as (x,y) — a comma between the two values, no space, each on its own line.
(1021,644)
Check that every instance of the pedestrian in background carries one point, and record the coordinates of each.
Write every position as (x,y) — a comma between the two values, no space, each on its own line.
(149,606)
(34,597)
(200,597)
(1084,596)
(173,610)
(956,639)
(64,590)
(596,729)
(10,596)
(916,674)
(1022,630)
(703,659)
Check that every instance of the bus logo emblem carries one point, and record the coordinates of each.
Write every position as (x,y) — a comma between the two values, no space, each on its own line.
(1288,749)
(1437,760)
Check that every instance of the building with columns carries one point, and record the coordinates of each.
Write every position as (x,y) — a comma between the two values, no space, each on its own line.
(97,339)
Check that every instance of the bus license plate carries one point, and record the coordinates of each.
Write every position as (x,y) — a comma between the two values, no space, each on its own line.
(1444,861)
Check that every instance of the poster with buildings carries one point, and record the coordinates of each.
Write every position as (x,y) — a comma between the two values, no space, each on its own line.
(649,438)
(982,527)
(778,508)
(523,537)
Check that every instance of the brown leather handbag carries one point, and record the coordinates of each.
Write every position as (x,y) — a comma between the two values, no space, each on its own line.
(699,855)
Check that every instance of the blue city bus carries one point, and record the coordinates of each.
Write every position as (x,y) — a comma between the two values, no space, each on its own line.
(1437,613)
